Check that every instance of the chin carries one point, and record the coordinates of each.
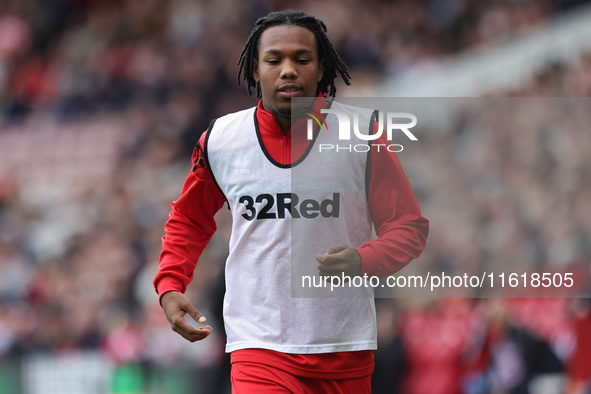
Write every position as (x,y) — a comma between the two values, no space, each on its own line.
(286,111)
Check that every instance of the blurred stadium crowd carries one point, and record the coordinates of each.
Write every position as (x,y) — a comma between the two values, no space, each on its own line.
(101,103)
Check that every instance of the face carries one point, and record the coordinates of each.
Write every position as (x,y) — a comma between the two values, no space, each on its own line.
(287,66)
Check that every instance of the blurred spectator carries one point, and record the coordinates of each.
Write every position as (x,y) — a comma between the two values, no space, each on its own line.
(390,358)
(579,363)
(508,358)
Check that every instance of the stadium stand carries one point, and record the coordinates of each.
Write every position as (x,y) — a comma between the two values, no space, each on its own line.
(101,103)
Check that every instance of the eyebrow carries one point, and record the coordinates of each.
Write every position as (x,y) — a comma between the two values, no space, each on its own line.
(278,52)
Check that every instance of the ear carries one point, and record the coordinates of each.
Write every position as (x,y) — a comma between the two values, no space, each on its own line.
(320,69)
(255,70)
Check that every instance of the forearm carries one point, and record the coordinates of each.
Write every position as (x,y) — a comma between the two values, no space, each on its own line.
(182,244)
(401,229)
(397,245)
(189,228)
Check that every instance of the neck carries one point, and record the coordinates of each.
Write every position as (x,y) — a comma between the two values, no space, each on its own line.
(284,121)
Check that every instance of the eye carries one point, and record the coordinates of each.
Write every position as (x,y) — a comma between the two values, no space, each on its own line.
(303,61)
(272,61)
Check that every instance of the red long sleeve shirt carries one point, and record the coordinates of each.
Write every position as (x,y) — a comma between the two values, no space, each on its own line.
(400,227)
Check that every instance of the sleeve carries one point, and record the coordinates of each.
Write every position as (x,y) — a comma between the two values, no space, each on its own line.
(401,229)
(190,226)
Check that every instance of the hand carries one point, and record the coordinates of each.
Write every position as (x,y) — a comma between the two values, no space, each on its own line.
(339,260)
(176,305)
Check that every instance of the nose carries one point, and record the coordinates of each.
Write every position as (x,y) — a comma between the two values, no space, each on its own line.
(289,70)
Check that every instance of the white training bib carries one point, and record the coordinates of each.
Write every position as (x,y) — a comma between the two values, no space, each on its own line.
(282,217)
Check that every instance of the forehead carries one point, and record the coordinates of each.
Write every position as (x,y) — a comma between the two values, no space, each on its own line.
(287,38)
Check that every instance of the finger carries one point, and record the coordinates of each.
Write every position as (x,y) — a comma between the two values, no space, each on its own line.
(328,259)
(187,331)
(194,313)
(336,248)
(321,258)
(331,269)
(200,333)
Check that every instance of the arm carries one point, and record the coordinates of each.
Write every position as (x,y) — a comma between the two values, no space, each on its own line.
(402,230)
(189,228)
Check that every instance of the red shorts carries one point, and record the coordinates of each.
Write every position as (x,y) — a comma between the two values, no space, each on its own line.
(248,378)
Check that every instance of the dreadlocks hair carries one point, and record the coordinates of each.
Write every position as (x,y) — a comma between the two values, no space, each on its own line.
(332,61)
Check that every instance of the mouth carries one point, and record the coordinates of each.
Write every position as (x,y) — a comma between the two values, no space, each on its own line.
(289,89)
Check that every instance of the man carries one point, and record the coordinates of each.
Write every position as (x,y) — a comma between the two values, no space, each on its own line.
(280,343)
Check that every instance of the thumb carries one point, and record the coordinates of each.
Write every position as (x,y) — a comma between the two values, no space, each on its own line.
(195,314)
(336,249)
